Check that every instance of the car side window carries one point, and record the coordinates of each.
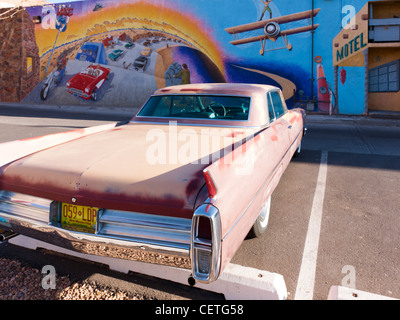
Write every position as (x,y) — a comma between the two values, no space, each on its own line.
(277,103)
(271,112)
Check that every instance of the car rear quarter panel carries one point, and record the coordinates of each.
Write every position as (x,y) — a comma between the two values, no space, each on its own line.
(246,178)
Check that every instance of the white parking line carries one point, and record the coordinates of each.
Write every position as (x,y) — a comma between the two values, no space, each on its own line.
(305,282)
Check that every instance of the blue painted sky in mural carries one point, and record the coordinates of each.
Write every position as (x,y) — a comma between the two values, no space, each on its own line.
(220,14)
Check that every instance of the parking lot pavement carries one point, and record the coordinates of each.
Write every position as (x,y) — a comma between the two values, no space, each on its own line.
(353,134)
(358,244)
(357,240)
(361,224)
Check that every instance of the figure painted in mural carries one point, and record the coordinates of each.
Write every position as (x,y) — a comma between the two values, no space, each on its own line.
(63,15)
(125,65)
(266,8)
(62,61)
(185,73)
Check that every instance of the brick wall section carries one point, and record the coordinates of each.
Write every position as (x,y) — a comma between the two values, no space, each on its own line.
(17,43)
(10,57)
(30,78)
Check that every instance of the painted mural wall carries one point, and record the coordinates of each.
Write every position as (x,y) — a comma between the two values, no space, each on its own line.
(116,53)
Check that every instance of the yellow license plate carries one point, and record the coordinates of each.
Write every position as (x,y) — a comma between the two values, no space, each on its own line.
(79,215)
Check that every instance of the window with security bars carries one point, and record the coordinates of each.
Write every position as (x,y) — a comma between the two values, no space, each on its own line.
(385,78)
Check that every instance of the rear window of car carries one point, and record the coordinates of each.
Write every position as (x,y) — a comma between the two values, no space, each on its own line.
(197,107)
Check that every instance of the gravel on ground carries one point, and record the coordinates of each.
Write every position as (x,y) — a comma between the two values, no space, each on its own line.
(22,282)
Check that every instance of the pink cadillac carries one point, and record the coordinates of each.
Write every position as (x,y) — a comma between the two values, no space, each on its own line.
(183,183)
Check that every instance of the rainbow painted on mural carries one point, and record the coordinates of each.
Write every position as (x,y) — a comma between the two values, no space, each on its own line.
(134,15)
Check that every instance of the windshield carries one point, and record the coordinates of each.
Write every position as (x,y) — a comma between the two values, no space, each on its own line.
(92,72)
(197,107)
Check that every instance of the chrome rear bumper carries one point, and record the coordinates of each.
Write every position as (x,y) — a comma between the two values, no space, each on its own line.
(119,234)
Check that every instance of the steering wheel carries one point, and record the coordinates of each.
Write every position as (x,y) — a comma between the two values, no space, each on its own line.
(216,105)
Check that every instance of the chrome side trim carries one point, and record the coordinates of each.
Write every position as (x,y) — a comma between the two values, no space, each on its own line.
(211,247)
(25,206)
(154,229)
(194,124)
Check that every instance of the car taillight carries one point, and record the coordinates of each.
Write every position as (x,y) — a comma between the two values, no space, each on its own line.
(203,261)
(211,187)
(204,228)
(206,243)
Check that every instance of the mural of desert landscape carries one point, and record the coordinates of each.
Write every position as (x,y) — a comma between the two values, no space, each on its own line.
(132,57)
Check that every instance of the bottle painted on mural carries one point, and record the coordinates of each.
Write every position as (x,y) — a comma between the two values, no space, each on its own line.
(324,96)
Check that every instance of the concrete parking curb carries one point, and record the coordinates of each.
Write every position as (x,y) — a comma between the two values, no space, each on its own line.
(344,293)
(351,120)
(235,283)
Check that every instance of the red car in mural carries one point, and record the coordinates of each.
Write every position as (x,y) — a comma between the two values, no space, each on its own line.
(86,83)
(166,187)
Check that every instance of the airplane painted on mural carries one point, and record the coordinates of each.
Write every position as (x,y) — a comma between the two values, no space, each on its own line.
(272,29)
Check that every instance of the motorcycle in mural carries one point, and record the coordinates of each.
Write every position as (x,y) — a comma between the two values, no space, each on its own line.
(49,83)
(54,78)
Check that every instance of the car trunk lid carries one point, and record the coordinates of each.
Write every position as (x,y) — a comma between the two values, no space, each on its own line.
(137,167)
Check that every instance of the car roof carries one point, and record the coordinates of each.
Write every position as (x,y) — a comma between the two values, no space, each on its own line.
(236,89)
